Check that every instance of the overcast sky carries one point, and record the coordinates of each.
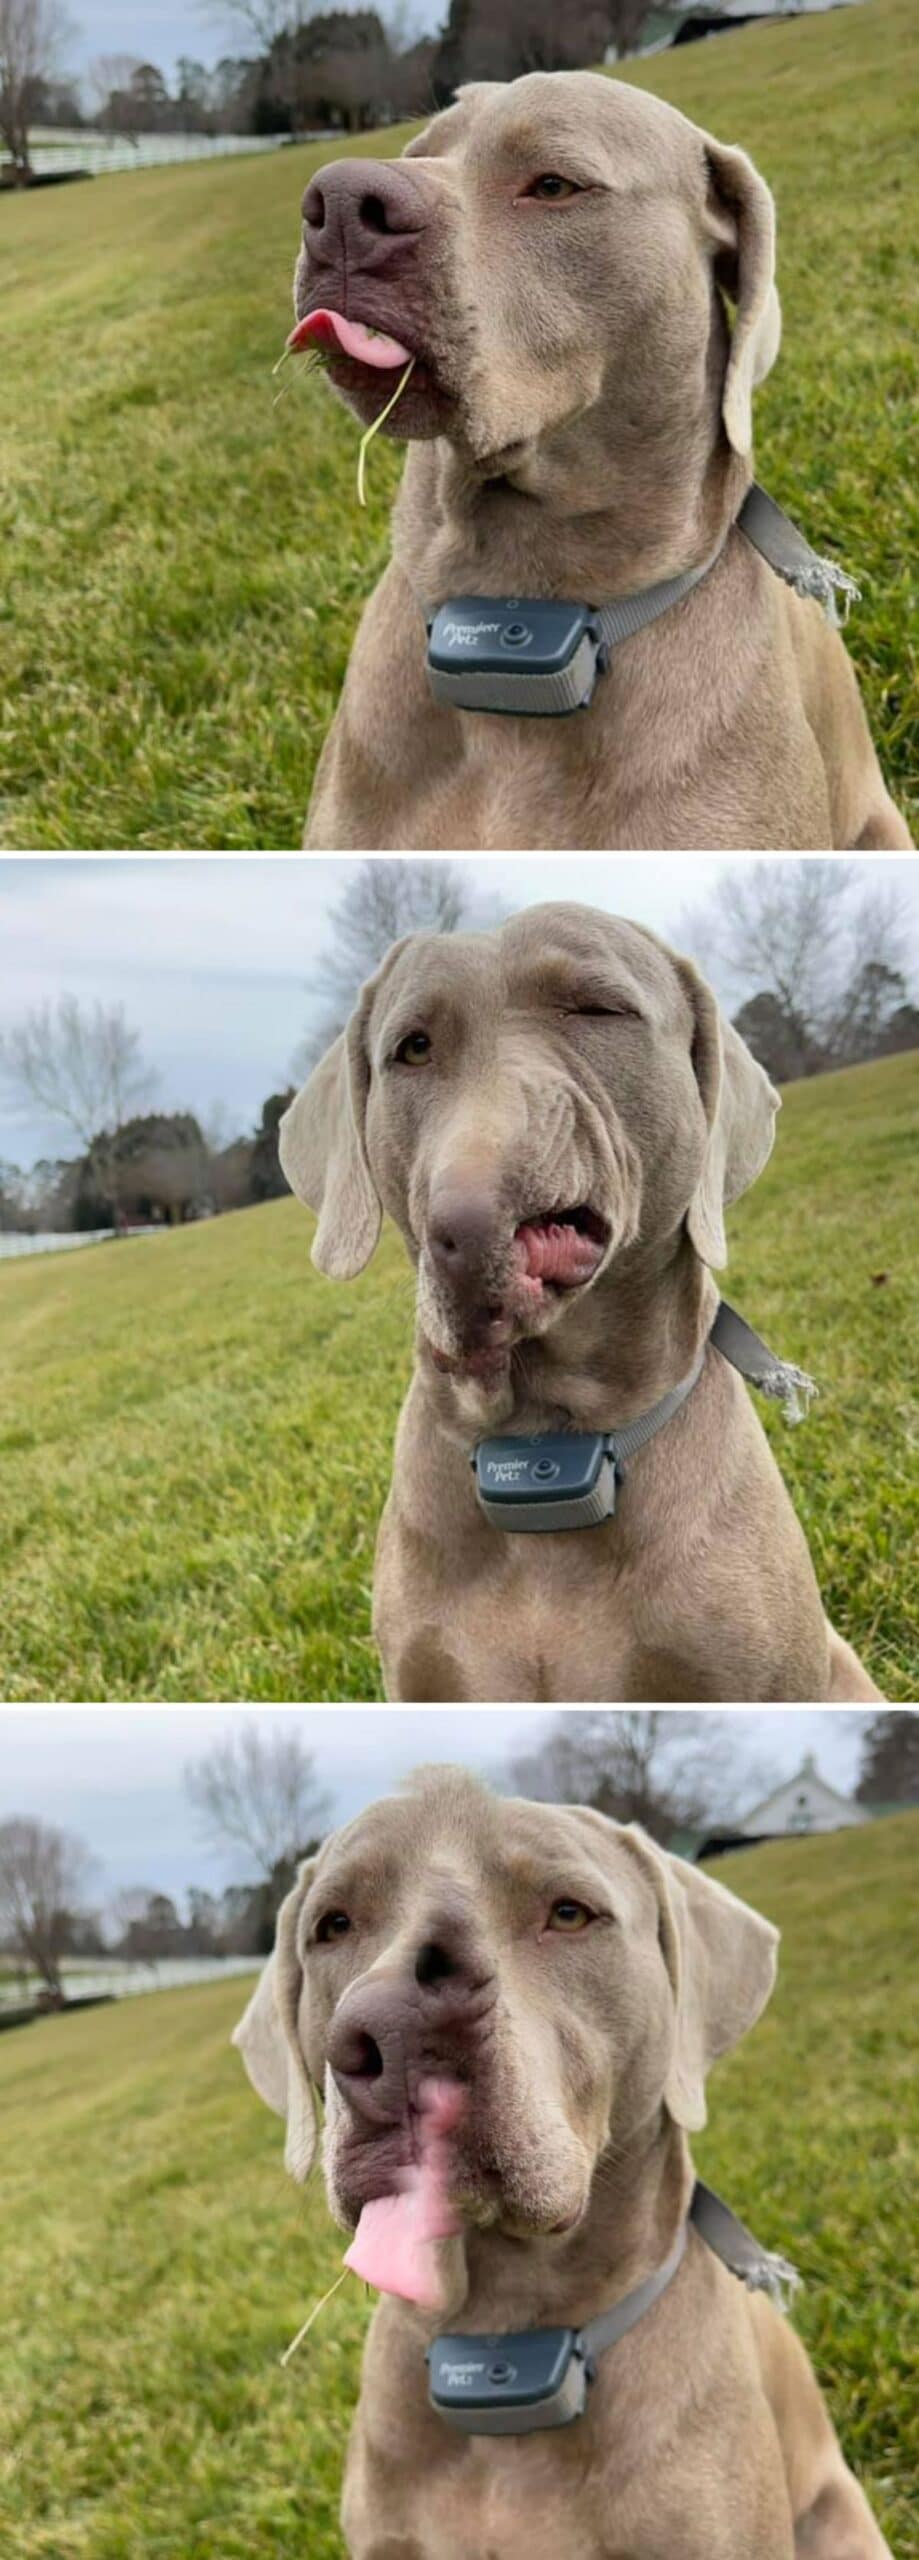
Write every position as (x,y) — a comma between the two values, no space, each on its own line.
(161,31)
(213,958)
(114,1774)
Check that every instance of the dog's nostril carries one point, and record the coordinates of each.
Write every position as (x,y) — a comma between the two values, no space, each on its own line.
(368,2060)
(433,1964)
(373,213)
(314,208)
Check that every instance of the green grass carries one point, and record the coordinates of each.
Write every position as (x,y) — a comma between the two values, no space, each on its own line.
(184,565)
(156,2261)
(196,1429)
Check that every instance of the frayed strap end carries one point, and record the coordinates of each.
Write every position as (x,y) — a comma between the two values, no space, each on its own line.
(789,1387)
(777,2277)
(829,586)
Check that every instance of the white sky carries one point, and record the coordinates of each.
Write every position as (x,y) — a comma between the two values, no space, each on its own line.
(212,957)
(114,1774)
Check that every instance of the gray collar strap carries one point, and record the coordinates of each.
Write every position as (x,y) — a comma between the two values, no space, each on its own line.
(524,2380)
(570,1479)
(540,656)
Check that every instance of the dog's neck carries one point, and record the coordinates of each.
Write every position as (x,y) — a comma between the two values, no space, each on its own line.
(584,512)
(640,2195)
(611,1356)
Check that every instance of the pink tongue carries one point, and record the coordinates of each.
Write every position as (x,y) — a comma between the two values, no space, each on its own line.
(347,338)
(394,2245)
(550,1251)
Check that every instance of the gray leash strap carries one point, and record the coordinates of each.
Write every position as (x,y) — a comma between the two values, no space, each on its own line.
(777,1379)
(615,2324)
(779,542)
(761,2270)
(626,1439)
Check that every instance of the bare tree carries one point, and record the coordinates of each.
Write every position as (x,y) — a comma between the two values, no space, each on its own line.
(43,1874)
(259,1790)
(79,1066)
(795,938)
(382,901)
(667,1770)
(34,37)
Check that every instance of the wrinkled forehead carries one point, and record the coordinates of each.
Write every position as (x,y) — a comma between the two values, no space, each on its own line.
(448,1843)
(619,135)
(547,956)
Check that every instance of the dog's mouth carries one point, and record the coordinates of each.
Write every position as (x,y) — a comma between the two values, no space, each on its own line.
(559,1248)
(553,1254)
(366,363)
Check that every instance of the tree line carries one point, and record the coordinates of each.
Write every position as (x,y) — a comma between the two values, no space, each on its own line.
(308,70)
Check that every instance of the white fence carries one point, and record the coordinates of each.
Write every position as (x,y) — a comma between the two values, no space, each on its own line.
(102,154)
(12,1246)
(93,1979)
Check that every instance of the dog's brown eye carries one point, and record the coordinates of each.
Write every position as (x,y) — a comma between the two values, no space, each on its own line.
(413,1050)
(569,1916)
(550,187)
(334,1924)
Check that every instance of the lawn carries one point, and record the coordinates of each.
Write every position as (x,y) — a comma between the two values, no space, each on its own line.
(156,2260)
(184,563)
(196,1429)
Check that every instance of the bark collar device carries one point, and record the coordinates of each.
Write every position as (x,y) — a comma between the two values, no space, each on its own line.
(539,656)
(516,2382)
(569,1479)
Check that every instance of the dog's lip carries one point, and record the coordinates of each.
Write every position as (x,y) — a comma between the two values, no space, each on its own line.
(362,341)
(322,326)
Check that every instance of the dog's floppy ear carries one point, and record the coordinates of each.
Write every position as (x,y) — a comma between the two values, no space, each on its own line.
(268,2039)
(740,1107)
(323,1153)
(721,1959)
(741,220)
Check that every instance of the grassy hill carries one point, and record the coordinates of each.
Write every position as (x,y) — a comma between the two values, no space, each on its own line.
(185,563)
(196,1429)
(156,2261)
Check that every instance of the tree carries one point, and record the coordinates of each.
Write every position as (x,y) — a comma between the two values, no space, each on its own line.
(382,901)
(81,1066)
(817,948)
(43,1875)
(266,1180)
(666,1770)
(34,34)
(889,1766)
(259,1790)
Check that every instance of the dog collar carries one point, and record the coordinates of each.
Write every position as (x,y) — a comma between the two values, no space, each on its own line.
(539,657)
(569,1479)
(518,2381)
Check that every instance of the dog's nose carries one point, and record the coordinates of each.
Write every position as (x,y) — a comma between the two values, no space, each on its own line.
(461,1230)
(364,209)
(386,2034)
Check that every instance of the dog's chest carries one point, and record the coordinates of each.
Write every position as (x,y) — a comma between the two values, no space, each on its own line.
(511,2500)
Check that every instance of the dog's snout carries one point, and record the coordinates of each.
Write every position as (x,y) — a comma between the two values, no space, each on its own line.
(355,205)
(460,1232)
(387,2034)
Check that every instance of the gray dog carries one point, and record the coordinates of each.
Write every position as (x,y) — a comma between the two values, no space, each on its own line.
(570,1985)
(555,1115)
(555,255)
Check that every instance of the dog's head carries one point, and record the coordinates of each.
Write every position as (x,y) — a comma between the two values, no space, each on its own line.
(526,1104)
(571,1977)
(550,249)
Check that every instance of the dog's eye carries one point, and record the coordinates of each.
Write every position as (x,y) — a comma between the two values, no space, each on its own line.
(334,1924)
(550,187)
(413,1050)
(569,1916)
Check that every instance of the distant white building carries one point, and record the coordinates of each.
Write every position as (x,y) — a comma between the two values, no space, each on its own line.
(804,1803)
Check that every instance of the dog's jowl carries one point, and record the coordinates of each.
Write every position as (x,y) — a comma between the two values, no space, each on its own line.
(510,2010)
(556,1115)
(591,632)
